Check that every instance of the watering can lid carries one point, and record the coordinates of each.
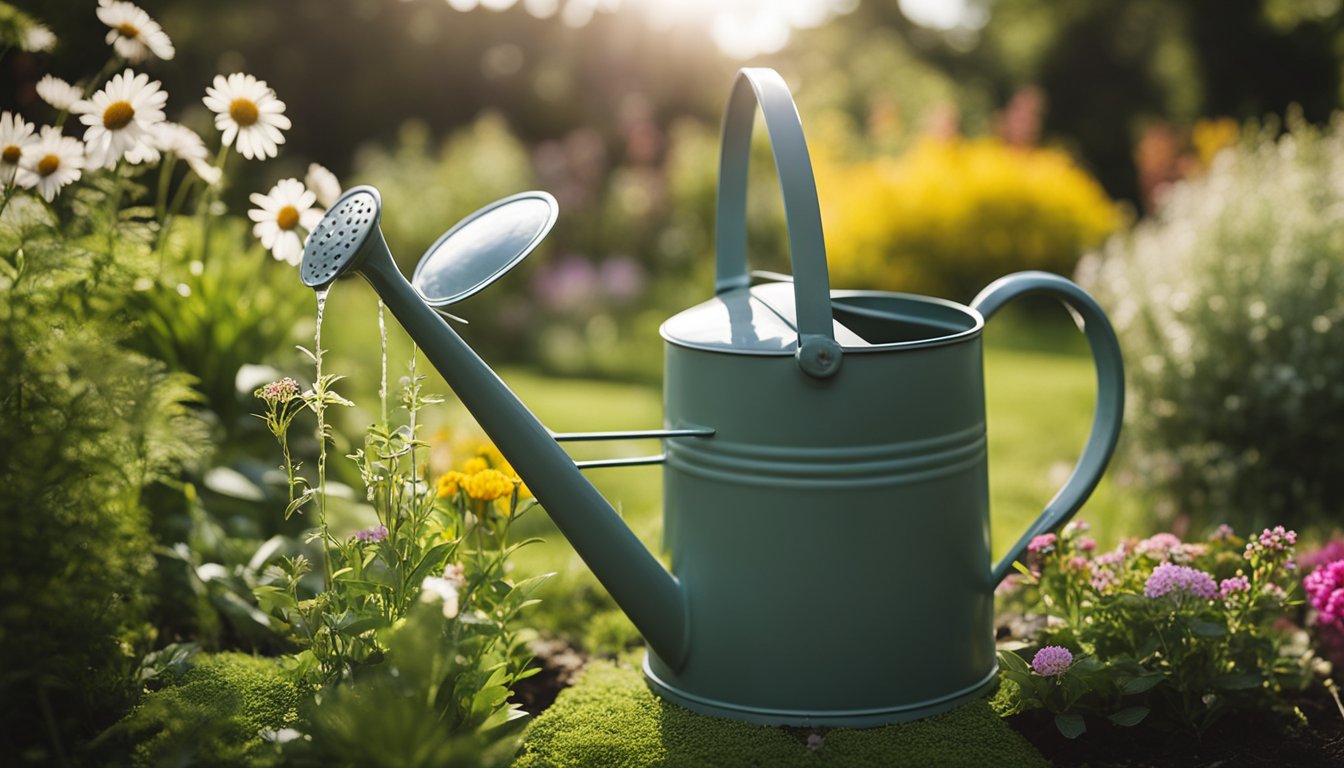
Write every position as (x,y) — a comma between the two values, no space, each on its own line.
(759,320)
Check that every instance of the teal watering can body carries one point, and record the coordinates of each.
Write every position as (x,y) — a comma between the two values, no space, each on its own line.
(826,489)
(832,538)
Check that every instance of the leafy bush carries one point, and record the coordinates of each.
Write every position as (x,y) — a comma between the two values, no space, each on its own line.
(1187,631)
(950,216)
(1227,304)
(85,426)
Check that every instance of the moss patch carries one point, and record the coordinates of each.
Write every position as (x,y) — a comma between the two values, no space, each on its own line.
(213,715)
(610,718)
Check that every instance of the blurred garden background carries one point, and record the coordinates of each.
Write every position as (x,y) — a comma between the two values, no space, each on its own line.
(1183,161)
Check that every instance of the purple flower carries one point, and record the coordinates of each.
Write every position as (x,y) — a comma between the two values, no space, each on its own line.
(1179,580)
(1051,660)
(373,534)
(1043,544)
(1325,589)
(1229,587)
(1223,533)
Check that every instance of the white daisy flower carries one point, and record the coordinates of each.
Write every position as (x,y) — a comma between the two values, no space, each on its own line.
(58,93)
(186,144)
(323,183)
(37,38)
(280,215)
(54,161)
(246,109)
(15,137)
(134,35)
(120,117)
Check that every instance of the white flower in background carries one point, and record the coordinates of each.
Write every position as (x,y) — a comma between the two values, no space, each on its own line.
(51,163)
(323,183)
(280,215)
(186,144)
(133,34)
(37,38)
(436,589)
(247,110)
(58,93)
(120,117)
(15,137)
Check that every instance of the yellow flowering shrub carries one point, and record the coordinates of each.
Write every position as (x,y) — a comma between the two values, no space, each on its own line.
(951,215)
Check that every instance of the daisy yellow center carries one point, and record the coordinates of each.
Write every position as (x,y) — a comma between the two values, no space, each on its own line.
(11,154)
(48,165)
(244,112)
(118,115)
(128,29)
(287,218)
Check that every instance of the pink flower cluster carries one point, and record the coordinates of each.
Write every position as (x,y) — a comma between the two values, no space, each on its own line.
(281,391)
(1276,539)
(1229,587)
(1043,544)
(1325,589)
(1179,580)
(1051,660)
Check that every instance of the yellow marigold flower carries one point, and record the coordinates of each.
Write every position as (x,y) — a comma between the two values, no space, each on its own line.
(488,485)
(475,465)
(450,482)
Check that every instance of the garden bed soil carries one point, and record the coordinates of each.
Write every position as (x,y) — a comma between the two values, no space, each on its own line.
(560,663)
(1236,741)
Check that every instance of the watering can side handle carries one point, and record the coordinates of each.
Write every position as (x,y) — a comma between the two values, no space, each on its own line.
(1110,409)
(818,353)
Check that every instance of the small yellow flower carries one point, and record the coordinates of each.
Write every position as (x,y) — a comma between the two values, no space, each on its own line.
(474,465)
(488,485)
(450,482)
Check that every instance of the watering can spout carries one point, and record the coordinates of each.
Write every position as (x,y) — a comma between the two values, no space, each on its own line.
(651,597)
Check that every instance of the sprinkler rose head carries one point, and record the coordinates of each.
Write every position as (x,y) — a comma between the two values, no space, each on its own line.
(340,241)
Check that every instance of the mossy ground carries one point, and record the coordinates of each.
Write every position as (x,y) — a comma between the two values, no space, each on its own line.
(610,718)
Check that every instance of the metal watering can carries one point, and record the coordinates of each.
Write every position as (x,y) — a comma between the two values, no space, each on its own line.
(826,489)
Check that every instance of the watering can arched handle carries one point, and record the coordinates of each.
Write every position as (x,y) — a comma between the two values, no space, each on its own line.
(818,353)
(1110,396)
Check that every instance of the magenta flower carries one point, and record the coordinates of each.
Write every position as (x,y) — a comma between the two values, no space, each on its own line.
(1043,544)
(1051,660)
(1229,587)
(1179,580)
(1085,544)
(1332,551)
(1325,589)
(373,534)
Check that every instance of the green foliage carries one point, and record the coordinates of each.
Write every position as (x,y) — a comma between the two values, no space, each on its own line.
(610,718)
(1228,305)
(425,706)
(218,712)
(1186,631)
(85,426)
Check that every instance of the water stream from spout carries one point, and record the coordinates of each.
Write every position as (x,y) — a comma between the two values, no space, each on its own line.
(319,406)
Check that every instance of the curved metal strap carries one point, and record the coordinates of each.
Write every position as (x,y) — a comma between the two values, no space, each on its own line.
(1110,409)
(818,353)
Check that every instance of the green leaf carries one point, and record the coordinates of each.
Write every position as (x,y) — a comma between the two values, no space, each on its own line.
(1141,683)
(1207,628)
(1070,724)
(1129,716)
(1012,661)
(1238,681)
